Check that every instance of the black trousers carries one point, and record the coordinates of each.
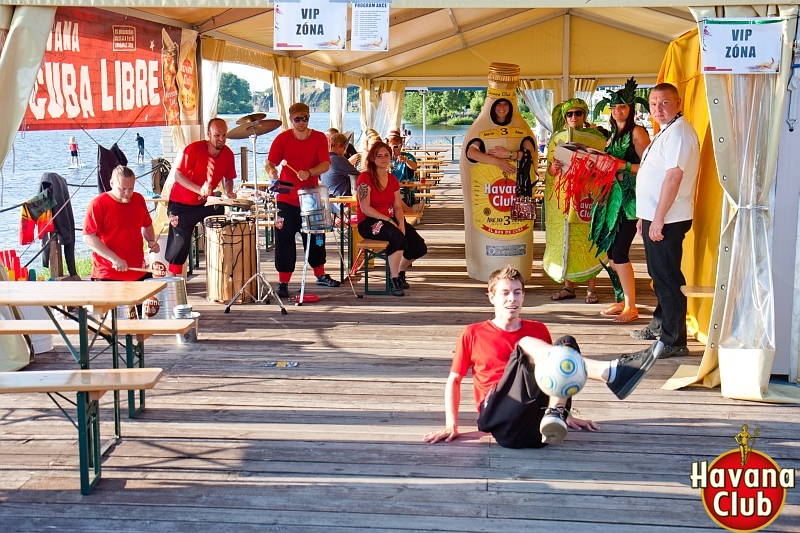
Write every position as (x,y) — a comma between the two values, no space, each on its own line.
(411,243)
(183,218)
(287,225)
(513,412)
(664,266)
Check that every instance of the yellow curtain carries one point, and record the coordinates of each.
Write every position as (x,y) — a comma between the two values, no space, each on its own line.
(338,100)
(583,88)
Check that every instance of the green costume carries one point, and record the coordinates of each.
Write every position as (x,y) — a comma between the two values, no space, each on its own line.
(568,252)
(621,200)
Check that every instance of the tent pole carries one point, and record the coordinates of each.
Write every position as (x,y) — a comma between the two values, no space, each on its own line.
(424,120)
(566,94)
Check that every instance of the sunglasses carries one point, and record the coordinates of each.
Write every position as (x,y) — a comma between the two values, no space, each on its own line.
(396,147)
(570,114)
(303,118)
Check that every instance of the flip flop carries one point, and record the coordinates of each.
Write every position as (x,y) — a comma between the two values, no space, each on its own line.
(614,309)
(560,296)
(629,315)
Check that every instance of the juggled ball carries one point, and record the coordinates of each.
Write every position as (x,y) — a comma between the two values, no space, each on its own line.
(562,373)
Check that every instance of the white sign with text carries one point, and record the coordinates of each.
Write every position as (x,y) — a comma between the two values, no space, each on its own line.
(310,25)
(370,27)
(742,45)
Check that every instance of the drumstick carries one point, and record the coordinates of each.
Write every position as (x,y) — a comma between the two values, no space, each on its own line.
(142,270)
(284,163)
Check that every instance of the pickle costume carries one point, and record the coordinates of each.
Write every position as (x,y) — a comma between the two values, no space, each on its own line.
(568,253)
(621,199)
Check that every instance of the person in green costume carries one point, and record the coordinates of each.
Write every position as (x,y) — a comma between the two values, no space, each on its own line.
(568,256)
(614,219)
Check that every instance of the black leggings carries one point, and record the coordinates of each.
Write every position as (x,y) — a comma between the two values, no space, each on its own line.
(287,223)
(183,218)
(411,243)
(621,246)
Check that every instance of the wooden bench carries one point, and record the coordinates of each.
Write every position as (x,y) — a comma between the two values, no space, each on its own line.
(135,331)
(90,385)
(697,291)
(426,196)
(373,249)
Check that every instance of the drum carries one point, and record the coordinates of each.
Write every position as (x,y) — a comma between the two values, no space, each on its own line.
(315,209)
(161,304)
(230,258)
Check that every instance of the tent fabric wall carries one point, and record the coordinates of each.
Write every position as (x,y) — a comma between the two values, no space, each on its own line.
(20,60)
(745,149)
(212,53)
(338,100)
(541,96)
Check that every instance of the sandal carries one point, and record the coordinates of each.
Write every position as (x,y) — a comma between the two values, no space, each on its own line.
(628,315)
(591,297)
(570,294)
(613,309)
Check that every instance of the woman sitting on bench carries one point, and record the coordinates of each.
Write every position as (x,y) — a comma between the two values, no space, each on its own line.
(380,215)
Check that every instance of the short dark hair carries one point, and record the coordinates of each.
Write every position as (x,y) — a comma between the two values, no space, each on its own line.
(507,272)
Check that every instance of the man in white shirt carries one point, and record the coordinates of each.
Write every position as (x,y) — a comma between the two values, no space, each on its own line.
(665,189)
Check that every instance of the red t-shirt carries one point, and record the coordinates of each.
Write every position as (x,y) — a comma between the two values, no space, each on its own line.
(486,349)
(300,155)
(382,201)
(199,167)
(119,226)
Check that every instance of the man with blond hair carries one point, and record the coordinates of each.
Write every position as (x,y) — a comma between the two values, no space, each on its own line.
(115,223)
(502,354)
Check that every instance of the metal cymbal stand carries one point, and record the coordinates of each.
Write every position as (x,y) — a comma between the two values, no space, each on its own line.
(263,288)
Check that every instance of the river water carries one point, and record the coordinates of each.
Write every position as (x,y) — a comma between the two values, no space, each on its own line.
(37,152)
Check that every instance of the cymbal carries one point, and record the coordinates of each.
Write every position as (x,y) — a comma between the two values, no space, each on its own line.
(257,128)
(254,117)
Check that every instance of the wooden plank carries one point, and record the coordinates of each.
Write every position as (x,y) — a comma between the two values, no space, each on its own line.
(124,327)
(697,291)
(79,380)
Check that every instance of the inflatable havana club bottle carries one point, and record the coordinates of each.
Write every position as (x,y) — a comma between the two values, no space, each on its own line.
(494,238)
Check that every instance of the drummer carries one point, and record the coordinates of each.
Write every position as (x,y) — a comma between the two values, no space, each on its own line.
(115,223)
(305,152)
(203,165)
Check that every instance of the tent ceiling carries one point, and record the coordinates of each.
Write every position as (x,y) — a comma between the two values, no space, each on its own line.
(420,37)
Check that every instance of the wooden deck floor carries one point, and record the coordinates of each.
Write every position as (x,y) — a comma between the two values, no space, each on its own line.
(334,444)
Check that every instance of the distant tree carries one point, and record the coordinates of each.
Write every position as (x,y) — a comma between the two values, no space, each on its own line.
(234,95)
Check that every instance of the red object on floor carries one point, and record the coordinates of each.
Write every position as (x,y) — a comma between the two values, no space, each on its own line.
(307,298)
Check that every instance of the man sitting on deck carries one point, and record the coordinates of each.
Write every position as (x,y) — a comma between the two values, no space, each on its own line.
(113,228)
(502,353)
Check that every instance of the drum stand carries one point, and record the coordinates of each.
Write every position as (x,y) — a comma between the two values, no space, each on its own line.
(263,289)
(310,233)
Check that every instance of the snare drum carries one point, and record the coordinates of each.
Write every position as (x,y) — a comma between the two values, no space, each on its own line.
(315,209)
(230,258)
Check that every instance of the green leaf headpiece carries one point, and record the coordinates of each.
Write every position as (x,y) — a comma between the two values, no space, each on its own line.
(626,95)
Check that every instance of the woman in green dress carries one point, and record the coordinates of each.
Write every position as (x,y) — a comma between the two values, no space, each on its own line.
(614,219)
(568,256)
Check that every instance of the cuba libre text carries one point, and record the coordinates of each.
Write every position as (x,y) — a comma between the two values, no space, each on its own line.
(730,502)
(123,85)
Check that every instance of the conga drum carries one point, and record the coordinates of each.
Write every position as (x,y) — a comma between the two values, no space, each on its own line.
(315,209)
(230,258)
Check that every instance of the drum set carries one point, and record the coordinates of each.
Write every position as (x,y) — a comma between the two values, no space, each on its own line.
(233,256)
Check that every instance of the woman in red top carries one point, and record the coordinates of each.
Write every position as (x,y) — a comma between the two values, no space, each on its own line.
(380,212)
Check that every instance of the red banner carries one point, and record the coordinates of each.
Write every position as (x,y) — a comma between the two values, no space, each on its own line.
(104,70)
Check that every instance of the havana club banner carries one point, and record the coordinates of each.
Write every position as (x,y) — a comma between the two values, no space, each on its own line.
(104,70)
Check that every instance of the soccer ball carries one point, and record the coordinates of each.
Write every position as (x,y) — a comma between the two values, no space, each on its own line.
(562,373)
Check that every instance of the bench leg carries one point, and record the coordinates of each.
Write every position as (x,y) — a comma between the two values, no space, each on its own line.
(134,357)
(369,256)
(88,441)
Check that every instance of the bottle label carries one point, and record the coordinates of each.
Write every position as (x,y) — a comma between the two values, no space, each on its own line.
(493,194)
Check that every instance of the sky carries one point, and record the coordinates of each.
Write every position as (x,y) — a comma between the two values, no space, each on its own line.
(259,79)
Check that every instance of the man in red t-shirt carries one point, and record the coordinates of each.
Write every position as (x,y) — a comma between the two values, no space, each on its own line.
(306,154)
(502,354)
(201,168)
(113,228)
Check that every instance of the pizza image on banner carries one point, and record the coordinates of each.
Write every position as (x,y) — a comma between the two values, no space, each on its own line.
(104,70)
(743,489)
